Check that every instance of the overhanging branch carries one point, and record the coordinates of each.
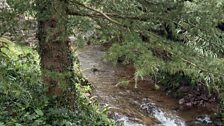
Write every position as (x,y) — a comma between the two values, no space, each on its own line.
(137,18)
(99,12)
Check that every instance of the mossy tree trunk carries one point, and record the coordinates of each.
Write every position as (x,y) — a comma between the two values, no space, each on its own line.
(54,48)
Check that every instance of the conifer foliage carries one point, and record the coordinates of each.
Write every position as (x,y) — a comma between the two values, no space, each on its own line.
(154,35)
(172,36)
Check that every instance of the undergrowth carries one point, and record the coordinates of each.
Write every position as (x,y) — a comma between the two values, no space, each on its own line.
(22,98)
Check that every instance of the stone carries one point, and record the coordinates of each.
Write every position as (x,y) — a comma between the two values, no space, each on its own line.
(189,104)
(181,101)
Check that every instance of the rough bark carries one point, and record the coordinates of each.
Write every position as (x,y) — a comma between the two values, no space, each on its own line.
(55,49)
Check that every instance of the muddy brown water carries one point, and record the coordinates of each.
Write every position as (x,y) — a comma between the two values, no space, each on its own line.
(143,106)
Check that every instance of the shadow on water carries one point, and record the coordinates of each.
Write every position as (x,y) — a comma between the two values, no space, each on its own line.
(143,106)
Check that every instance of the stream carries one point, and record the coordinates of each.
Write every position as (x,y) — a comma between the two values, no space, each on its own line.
(142,106)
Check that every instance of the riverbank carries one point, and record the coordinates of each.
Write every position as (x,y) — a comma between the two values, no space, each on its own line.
(131,105)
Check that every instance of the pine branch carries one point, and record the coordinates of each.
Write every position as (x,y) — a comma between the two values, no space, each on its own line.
(191,63)
(107,16)
(137,18)
(99,12)
(200,68)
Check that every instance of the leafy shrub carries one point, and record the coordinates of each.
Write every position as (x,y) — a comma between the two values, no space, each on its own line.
(23,101)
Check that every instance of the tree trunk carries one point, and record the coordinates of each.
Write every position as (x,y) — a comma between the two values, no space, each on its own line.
(54,48)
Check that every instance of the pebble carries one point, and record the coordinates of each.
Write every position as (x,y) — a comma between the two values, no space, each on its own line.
(181,101)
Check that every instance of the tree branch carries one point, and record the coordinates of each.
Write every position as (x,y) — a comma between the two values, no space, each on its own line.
(108,16)
(137,18)
(99,13)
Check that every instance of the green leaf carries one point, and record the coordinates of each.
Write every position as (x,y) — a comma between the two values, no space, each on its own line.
(2,124)
(39,112)
(17,124)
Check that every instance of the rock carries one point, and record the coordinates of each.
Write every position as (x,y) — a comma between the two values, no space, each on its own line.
(184,89)
(192,99)
(189,104)
(190,95)
(218,123)
(203,97)
(211,100)
(195,103)
(181,101)
(204,119)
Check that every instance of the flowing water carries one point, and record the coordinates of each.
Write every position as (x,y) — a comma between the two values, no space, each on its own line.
(142,106)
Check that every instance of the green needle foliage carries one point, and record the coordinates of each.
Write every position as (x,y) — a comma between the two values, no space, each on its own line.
(170,36)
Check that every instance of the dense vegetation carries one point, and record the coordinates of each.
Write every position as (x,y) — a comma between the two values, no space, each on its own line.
(23,101)
(169,40)
(172,40)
